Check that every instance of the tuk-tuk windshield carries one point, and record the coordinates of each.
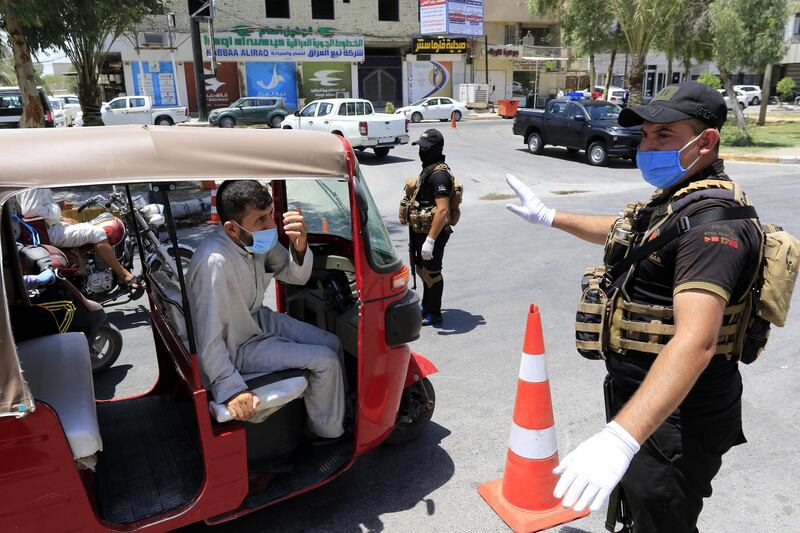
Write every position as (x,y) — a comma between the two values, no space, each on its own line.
(322,201)
(382,254)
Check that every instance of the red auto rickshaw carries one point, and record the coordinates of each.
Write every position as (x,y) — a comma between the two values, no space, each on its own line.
(168,457)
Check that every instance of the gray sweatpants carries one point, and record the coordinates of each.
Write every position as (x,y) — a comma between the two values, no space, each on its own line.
(289,343)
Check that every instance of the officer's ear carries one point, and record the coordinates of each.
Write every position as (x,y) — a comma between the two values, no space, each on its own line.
(708,141)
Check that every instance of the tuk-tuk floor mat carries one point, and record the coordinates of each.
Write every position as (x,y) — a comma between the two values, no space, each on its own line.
(311,465)
(151,461)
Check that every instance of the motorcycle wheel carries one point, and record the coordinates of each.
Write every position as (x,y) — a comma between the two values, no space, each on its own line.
(106,347)
(185,257)
(413,415)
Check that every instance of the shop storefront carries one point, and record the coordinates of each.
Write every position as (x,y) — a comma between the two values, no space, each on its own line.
(434,68)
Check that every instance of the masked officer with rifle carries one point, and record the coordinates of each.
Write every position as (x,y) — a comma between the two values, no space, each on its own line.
(671,311)
(430,208)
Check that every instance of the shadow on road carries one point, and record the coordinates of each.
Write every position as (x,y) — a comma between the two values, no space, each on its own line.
(390,479)
(105,384)
(578,157)
(369,159)
(457,321)
(130,318)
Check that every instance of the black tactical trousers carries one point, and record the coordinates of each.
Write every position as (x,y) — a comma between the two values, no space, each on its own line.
(669,477)
(431,292)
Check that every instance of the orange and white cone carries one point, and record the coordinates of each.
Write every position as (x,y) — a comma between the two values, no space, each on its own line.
(453,120)
(523,498)
(214,218)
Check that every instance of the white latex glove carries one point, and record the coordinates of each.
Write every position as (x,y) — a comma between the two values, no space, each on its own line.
(593,469)
(531,209)
(427,249)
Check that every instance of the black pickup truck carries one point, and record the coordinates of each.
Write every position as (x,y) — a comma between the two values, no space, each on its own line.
(589,125)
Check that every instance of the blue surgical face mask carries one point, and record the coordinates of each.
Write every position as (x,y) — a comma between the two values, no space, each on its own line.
(263,240)
(662,168)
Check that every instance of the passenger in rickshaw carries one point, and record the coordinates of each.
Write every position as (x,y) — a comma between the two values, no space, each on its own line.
(236,334)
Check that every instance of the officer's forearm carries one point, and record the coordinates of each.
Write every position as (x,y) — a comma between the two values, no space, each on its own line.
(439,217)
(591,228)
(677,367)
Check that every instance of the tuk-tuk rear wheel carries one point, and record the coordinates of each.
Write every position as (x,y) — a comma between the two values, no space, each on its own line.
(416,410)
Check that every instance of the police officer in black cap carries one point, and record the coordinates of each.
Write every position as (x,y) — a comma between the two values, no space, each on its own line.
(429,229)
(668,318)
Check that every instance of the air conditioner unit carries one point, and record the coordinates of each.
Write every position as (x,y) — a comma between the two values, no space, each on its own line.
(154,40)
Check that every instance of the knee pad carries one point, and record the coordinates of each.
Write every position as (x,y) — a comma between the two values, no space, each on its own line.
(429,278)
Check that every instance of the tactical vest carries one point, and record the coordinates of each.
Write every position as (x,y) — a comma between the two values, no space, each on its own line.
(607,319)
(420,217)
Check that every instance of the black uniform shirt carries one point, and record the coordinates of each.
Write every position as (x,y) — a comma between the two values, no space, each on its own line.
(719,257)
(436,185)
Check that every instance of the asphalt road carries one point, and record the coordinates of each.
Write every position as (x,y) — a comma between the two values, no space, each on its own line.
(495,266)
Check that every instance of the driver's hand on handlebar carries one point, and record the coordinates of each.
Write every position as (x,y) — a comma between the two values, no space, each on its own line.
(294,225)
(69,220)
(66,204)
(243,405)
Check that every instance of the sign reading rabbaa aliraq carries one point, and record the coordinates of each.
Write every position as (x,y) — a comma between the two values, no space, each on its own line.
(277,45)
(429,45)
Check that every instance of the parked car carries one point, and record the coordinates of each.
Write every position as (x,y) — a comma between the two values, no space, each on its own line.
(589,125)
(70,105)
(752,92)
(615,94)
(11,107)
(251,110)
(59,119)
(437,108)
(740,98)
(355,120)
(139,110)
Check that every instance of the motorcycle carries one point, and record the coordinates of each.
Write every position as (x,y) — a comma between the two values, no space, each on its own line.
(71,309)
(89,273)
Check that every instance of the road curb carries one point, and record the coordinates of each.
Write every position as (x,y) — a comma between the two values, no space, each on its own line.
(785,159)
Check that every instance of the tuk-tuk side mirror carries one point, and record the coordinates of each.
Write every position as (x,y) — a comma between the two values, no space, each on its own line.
(296,113)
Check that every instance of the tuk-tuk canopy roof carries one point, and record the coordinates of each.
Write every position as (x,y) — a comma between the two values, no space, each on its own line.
(58,157)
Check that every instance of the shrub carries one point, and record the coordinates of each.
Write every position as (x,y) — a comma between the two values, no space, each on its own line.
(786,88)
(389,107)
(733,135)
(710,79)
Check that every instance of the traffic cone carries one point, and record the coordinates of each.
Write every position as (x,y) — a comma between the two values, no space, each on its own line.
(523,497)
(208,184)
(214,218)
(326,228)
(453,120)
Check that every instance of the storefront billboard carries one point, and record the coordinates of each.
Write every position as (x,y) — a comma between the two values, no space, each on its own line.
(326,80)
(451,17)
(155,79)
(443,45)
(429,78)
(272,78)
(221,91)
(269,45)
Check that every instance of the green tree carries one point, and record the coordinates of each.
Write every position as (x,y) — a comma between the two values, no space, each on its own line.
(15,17)
(746,34)
(710,79)
(641,23)
(7,75)
(84,30)
(786,88)
(587,27)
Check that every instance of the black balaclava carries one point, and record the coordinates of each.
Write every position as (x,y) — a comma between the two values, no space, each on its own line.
(432,155)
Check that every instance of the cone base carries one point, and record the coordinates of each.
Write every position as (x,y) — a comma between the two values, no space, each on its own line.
(521,520)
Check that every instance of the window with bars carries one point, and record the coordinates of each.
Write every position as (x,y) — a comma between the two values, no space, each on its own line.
(277,9)
(797,26)
(511,34)
(322,9)
(389,10)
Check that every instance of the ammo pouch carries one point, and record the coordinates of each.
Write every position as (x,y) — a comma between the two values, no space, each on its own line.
(420,220)
(594,309)
(404,209)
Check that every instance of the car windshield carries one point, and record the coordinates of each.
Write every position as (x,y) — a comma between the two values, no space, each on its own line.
(603,110)
(420,102)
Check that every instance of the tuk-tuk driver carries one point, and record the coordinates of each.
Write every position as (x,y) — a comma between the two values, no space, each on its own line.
(235,333)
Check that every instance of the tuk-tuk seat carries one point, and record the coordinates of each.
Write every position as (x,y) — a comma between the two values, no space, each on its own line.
(274,389)
(58,371)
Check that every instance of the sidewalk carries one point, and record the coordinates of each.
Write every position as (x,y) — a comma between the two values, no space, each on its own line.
(765,157)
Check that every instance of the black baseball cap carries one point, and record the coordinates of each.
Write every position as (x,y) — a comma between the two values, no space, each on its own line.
(429,138)
(679,102)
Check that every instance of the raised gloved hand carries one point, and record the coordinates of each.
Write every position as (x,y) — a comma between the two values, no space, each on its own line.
(531,209)
(427,249)
(593,469)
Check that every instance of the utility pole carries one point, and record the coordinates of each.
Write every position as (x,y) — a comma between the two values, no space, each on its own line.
(171,26)
(199,11)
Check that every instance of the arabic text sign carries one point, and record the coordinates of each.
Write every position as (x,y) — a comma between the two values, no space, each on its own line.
(465,17)
(288,46)
(427,45)
(156,80)
(433,17)
(326,80)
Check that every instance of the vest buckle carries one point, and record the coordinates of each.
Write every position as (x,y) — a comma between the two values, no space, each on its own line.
(684,225)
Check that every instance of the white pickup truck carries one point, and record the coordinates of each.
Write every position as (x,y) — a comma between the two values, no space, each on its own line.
(139,110)
(355,120)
